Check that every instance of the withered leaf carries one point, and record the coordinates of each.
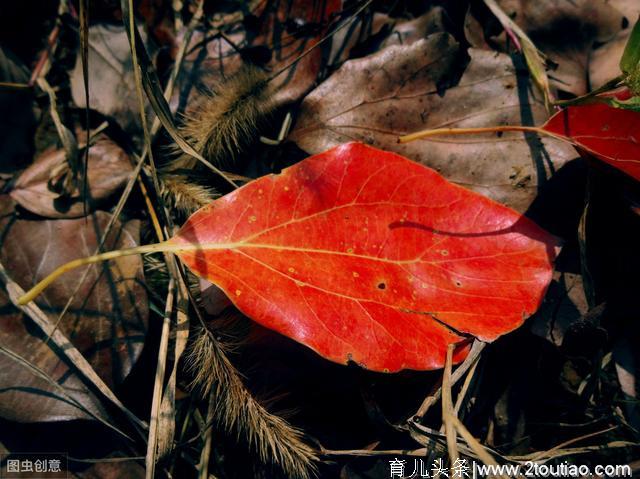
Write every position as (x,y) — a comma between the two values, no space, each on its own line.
(111,77)
(356,34)
(107,320)
(109,168)
(605,60)
(407,32)
(399,90)
(568,33)
(284,30)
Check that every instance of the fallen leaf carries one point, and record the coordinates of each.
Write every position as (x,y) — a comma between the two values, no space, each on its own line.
(409,31)
(108,172)
(283,31)
(356,34)
(365,256)
(567,32)
(602,131)
(604,64)
(401,89)
(605,61)
(111,77)
(289,29)
(107,320)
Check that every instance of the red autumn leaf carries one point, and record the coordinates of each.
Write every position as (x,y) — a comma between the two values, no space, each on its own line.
(607,133)
(363,255)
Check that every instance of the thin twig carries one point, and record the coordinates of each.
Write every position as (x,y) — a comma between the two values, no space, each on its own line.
(471,358)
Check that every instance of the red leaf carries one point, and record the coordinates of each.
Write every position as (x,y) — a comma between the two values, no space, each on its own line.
(609,134)
(363,255)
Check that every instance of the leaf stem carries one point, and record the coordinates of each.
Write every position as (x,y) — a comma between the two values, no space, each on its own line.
(168,246)
(470,131)
(76,263)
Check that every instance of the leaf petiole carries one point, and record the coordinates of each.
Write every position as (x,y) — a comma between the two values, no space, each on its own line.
(470,131)
(163,247)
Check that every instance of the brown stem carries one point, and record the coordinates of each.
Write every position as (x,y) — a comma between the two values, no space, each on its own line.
(470,131)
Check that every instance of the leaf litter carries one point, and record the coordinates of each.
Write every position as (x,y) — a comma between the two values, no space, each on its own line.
(247,401)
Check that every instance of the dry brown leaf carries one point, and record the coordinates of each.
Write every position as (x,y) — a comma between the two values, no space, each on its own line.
(409,31)
(567,32)
(605,61)
(111,77)
(400,90)
(109,331)
(355,34)
(545,15)
(284,30)
(108,172)
(289,30)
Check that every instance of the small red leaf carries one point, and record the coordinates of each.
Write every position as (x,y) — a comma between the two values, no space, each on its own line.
(363,255)
(610,134)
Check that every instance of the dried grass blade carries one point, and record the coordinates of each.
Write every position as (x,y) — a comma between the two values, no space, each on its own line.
(469,361)
(67,139)
(473,443)
(152,442)
(534,59)
(205,453)
(112,221)
(167,418)
(447,408)
(36,371)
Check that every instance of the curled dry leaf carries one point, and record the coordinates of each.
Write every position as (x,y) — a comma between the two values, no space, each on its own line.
(108,172)
(365,256)
(356,33)
(107,320)
(401,89)
(292,28)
